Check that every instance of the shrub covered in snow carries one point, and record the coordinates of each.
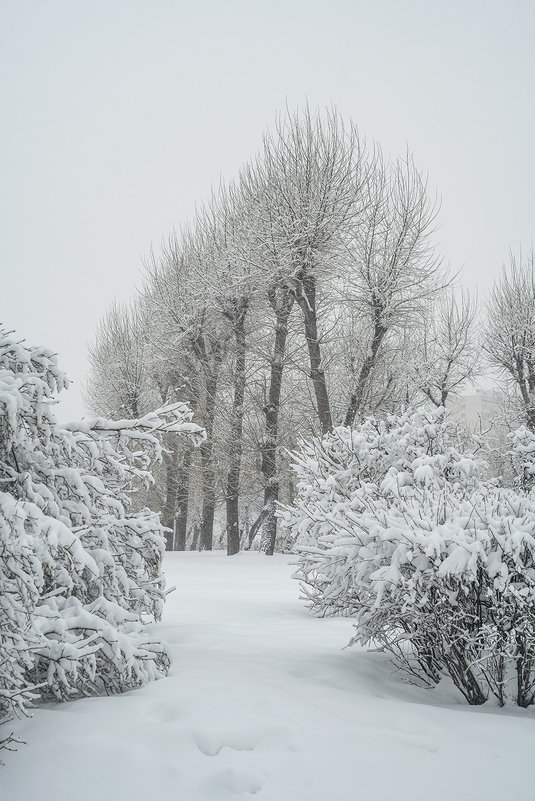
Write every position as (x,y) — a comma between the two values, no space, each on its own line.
(79,574)
(394,529)
(416,449)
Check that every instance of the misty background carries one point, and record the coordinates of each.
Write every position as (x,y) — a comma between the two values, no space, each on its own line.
(117,117)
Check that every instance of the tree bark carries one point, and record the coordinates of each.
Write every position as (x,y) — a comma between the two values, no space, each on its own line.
(254,529)
(195,537)
(183,481)
(526,385)
(236,430)
(171,489)
(182,501)
(282,307)
(357,396)
(207,447)
(306,298)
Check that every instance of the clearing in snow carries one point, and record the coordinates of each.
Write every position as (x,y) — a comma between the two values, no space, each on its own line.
(263,699)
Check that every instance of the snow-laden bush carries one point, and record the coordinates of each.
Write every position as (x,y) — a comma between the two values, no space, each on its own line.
(394,529)
(80,575)
(340,474)
(417,448)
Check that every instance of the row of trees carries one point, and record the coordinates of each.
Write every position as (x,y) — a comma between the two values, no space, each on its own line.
(306,294)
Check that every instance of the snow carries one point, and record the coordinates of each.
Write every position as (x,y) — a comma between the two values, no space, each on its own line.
(262,699)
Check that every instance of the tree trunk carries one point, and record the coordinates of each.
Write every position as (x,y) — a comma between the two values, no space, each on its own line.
(195,537)
(182,496)
(282,307)
(526,386)
(357,396)
(207,447)
(182,501)
(254,530)
(236,431)
(306,298)
(171,490)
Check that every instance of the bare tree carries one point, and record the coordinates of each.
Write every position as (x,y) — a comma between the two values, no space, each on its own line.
(394,268)
(251,308)
(313,174)
(448,355)
(176,461)
(135,365)
(277,287)
(509,337)
(118,381)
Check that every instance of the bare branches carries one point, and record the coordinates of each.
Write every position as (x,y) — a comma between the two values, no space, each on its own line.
(394,271)
(510,329)
(449,355)
(117,357)
(313,170)
(394,267)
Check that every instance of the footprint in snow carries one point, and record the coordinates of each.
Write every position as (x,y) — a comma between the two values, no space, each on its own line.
(212,744)
(235,782)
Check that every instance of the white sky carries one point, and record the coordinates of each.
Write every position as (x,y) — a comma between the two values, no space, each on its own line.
(117,115)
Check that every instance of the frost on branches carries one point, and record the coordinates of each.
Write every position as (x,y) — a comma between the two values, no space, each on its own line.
(80,575)
(394,529)
(523,458)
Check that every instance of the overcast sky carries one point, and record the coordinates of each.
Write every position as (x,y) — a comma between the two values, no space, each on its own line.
(118,115)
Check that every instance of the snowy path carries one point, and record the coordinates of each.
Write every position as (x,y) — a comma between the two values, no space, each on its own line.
(262,700)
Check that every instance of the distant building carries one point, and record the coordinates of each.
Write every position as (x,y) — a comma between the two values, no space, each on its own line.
(475,411)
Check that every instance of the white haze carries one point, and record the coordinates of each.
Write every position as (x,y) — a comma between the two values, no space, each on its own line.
(118,117)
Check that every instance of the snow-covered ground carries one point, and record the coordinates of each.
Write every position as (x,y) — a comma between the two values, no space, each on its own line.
(262,699)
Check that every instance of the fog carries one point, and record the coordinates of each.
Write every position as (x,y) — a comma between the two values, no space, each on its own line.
(119,116)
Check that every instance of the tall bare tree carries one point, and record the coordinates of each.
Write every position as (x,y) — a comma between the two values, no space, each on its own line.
(281,302)
(448,355)
(313,169)
(389,385)
(509,336)
(118,382)
(394,268)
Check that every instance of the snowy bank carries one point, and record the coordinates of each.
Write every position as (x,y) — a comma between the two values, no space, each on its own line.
(263,699)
